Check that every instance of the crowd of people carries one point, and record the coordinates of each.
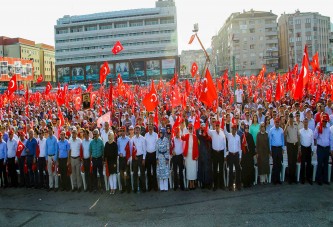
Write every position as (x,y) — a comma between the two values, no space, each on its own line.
(192,144)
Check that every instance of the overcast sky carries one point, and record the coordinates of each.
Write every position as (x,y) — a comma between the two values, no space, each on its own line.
(35,19)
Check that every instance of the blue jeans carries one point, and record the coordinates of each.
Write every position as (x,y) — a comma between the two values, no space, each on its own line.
(322,169)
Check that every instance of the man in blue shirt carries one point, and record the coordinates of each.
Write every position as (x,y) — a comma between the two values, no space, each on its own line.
(3,158)
(322,135)
(64,148)
(276,142)
(51,152)
(122,142)
(31,146)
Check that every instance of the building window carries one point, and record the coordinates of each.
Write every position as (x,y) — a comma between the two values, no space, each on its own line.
(136,23)
(298,21)
(105,26)
(62,31)
(121,25)
(308,20)
(252,30)
(151,22)
(76,29)
(252,46)
(253,62)
(167,20)
(91,28)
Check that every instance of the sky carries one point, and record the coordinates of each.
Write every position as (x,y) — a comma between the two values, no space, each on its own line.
(35,19)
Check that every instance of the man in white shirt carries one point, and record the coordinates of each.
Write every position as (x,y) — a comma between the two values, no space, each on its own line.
(41,159)
(86,159)
(306,148)
(104,132)
(151,139)
(11,156)
(233,156)
(239,95)
(218,149)
(75,160)
(139,162)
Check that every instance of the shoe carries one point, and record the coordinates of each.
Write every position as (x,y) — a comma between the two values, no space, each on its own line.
(79,190)
(74,189)
(326,182)
(279,182)
(319,183)
(230,188)
(214,189)
(48,189)
(310,182)
(302,182)
(56,189)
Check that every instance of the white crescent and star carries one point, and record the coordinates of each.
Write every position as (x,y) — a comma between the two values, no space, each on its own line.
(11,84)
(153,99)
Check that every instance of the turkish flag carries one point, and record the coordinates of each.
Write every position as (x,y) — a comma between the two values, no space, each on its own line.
(48,88)
(303,76)
(191,39)
(150,101)
(27,96)
(78,102)
(197,122)
(244,144)
(176,97)
(61,118)
(315,63)
(110,97)
(187,87)
(19,149)
(208,92)
(61,97)
(117,48)
(174,80)
(90,88)
(105,118)
(12,86)
(107,173)
(278,92)
(39,79)
(194,69)
(103,72)
(156,118)
(21,87)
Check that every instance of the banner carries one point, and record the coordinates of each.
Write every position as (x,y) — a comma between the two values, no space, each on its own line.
(153,68)
(11,66)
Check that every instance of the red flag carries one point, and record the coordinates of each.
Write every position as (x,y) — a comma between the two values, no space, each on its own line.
(119,80)
(244,143)
(305,67)
(174,80)
(208,92)
(117,48)
(315,63)
(61,96)
(91,167)
(90,88)
(21,87)
(48,88)
(103,72)
(302,75)
(37,151)
(12,86)
(61,118)
(191,39)
(107,173)
(19,149)
(78,102)
(156,117)
(150,101)
(194,69)
(197,122)
(27,95)
(39,79)
(176,97)
(25,167)
(187,87)
(278,91)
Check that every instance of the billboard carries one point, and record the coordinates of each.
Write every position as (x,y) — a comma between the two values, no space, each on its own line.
(77,74)
(63,74)
(153,68)
(92,73)
(168,66)
(137,69)
(10,66)
(122,68)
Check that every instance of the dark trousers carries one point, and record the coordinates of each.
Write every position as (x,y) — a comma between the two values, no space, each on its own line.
(98,166)
(233,160)
(277,164)
(21,168)
(41,169)
(123,167)
(218,170)
(292,151)
(178,164)
(64,178)
(136,164)
(31,178)
(322,158)
(151,166)
(12,172)
(3,174)
(87,175)
(306,159)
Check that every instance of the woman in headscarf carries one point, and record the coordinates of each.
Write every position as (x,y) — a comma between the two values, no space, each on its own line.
(204,160)
(162,157)
(110,156)
(247,162)
(263,153)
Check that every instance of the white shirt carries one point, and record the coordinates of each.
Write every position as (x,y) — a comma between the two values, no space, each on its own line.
(179,146)
(306,137)
(238,94)
(85,147)
(248,122)
(218,140)
(151,141)
(11,148)
(140,145)
(42,145)
(75,147)
(183,131)
(104,135)
(234,145)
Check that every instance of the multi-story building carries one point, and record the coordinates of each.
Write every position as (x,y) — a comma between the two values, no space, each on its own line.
(42,55)
(149,38)
(252,38)
(330,54)
(299,29)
